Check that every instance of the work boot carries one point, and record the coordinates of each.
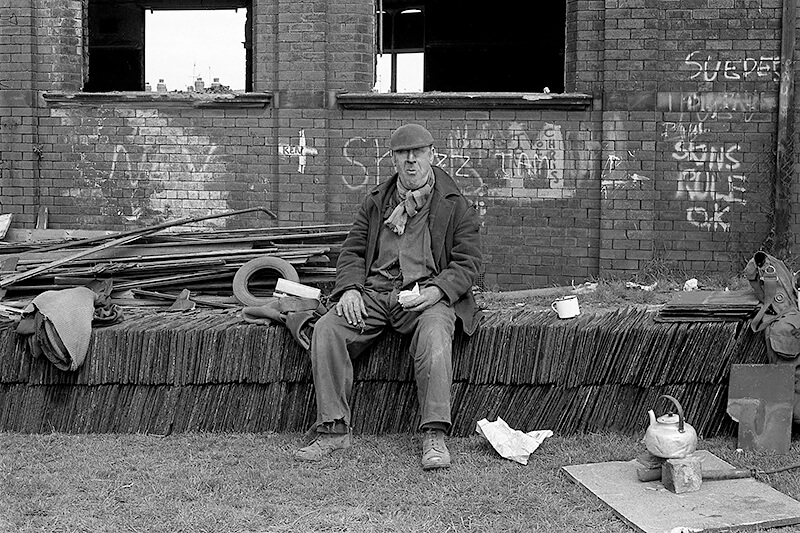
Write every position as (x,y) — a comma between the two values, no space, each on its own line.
(434,451)
(322,446)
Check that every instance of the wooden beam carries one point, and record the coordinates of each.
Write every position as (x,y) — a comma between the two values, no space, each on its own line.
(122,238)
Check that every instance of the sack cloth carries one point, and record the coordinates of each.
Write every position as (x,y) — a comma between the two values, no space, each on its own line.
(58,324)
(772,281)
(774,285)
(783,335)
(62,325)
(779,318)
(298,314)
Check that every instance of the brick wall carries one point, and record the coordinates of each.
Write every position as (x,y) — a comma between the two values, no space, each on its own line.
(689,133)
(506,163)
(670,167)
(17,106)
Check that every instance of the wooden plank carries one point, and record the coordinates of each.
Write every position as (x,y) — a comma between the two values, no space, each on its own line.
(14,278)
(137,253)
(23,235)
(140,232)
(172,297)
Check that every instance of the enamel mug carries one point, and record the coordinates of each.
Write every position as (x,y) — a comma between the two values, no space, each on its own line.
(566,306)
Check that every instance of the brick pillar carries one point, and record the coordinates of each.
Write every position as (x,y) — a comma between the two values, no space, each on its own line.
(628,147)
(321,47)
(59,54)
(17,114)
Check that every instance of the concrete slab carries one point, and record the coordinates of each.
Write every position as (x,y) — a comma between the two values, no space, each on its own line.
(718,506)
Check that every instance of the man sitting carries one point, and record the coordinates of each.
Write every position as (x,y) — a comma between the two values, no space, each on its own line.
(416,229)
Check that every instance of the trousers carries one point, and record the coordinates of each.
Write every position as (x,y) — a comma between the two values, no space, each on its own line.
(335,344)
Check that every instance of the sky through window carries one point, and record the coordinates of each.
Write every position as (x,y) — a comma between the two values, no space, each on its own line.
(181,46)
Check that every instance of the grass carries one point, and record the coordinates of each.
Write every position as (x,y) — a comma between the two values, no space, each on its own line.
(251,483)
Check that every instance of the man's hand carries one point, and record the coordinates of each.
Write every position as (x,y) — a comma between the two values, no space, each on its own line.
(351,305)
(427,297)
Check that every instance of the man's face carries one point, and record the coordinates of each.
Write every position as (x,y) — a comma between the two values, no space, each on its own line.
(413,166)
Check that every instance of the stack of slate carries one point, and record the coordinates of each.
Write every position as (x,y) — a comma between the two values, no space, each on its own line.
(710,306)
(210,371)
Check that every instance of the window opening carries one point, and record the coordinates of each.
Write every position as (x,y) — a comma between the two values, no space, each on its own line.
(400,64)
(197,50)
(470,46)
(184,45)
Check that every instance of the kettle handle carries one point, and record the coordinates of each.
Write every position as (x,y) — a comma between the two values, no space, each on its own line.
(679,409)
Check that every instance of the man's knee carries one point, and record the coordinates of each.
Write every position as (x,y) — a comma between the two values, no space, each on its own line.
(326,321)
(437,339)
(328,327)
(437,326)
(435,342)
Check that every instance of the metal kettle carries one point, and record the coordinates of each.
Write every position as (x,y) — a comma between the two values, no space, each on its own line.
(669,436)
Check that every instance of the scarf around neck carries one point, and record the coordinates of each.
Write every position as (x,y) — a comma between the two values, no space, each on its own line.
(409,203)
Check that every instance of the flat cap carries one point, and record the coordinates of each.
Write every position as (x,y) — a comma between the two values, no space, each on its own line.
(410,136)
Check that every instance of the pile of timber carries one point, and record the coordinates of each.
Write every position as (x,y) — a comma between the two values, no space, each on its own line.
(152,265)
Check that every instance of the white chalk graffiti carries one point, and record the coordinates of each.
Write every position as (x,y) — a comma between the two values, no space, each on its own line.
(709,174)
(615,176)
(300,150)
(678,131)
(513,164)
(140,185)
(620,168)
(714,105)
(457,161)
(708,69)
(351,153)
(541,159)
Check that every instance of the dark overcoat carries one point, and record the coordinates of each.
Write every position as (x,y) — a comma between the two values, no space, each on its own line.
(455,243)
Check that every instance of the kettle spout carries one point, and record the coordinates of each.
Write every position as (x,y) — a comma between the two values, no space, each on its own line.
(652,416)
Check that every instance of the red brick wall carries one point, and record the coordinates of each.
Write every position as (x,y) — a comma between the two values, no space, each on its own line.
(670,169)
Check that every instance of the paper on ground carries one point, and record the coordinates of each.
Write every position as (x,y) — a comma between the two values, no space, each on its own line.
(511,443)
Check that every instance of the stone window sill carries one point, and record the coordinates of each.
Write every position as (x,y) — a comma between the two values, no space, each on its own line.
(149,99)
(436,100)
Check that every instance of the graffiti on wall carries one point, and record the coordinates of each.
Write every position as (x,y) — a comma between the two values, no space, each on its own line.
(493,159)
(706,106)
(710,175)
(704,67)
(301,150)
(616,173)
(620,165)
(10,19)
(540,160)
(145,185)
(189,166)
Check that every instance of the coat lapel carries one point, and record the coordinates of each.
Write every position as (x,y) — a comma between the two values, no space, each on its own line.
(378,198)
(441,211)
